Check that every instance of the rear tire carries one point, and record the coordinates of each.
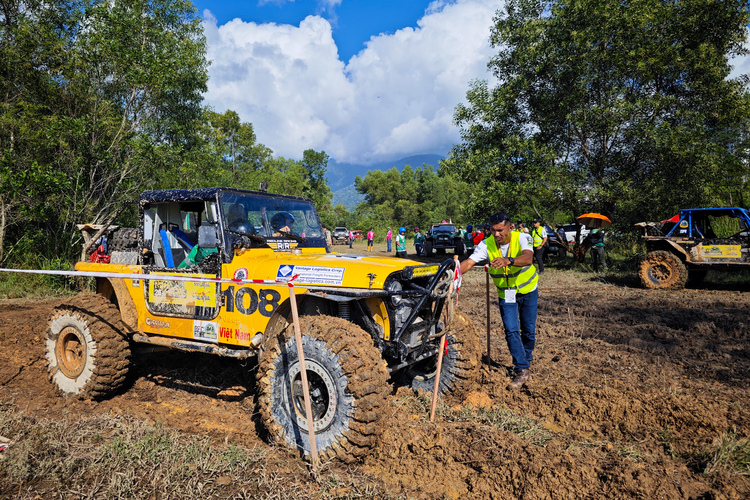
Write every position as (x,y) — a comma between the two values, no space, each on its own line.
(460,366)
(428,248)
(662,270)
(348,385)
(87,348)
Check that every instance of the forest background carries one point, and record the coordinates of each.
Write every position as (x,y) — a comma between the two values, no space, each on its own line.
(623,108)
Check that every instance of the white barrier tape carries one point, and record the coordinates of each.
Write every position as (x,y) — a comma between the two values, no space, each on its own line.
(159,277)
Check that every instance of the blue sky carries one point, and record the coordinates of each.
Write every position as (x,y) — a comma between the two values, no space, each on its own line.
(353,21)
(365,81)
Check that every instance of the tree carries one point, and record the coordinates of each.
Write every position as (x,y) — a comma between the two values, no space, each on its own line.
(622,107)
(316,164)
(410,197)
(97,95)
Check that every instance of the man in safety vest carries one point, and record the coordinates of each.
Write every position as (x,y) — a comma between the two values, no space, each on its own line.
(539,239)
(510,257)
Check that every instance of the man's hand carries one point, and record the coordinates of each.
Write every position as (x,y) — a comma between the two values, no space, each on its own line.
(500,262)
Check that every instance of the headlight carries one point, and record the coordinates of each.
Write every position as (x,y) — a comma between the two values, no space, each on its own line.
(393,287)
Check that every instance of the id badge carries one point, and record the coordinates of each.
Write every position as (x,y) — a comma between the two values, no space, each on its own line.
(510,296)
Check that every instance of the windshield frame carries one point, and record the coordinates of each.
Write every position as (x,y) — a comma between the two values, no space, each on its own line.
(259,209)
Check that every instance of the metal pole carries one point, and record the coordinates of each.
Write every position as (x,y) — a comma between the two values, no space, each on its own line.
(487,303)
(303,372)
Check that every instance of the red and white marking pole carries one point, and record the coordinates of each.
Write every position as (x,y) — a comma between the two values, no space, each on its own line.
(442,345)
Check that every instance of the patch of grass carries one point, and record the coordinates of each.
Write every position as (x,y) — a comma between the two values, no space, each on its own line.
(731,454)
(498,417)
(18,285)
(113,456)
(666,438)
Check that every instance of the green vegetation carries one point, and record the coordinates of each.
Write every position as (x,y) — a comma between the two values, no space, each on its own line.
(730,454)
(499,417)
(91,115)
(616,107)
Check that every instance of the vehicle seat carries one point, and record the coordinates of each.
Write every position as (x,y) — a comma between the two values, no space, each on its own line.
(174,249)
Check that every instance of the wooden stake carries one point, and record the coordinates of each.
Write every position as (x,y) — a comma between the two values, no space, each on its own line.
(303,372)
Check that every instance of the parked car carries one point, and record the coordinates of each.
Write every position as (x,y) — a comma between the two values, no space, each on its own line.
(442,236)
(340,235)
(357,234)
(554,247)
(570,233)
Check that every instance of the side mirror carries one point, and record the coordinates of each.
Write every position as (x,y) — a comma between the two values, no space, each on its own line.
(207,237)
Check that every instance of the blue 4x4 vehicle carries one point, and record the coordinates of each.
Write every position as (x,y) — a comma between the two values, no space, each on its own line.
(691,243)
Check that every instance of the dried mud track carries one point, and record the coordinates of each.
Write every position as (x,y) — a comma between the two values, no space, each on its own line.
(631,390)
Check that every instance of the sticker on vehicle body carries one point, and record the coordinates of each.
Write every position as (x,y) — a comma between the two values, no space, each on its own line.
(311,274)
(279,245)
(206,330)
(351,257)
(722,251)
(182,293)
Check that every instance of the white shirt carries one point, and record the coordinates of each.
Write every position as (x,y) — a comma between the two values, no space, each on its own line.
(480,252)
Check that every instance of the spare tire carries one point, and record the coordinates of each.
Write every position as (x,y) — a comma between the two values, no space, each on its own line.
(123,239)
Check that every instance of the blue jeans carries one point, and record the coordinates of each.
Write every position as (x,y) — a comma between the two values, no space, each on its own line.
(521,340)
(389,244)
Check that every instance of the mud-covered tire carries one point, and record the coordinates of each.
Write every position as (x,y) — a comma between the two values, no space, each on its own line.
(460,365)
(664,270)
(123,239)
(87,349)
(348,380)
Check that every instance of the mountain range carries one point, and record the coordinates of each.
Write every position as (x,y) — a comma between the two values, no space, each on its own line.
(341,175)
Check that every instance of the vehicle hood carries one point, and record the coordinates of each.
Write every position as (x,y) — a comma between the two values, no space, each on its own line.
(335,270)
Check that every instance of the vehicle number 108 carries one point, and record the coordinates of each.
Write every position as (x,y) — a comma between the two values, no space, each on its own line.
(248,301)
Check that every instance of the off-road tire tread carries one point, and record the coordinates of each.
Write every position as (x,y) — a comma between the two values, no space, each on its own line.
(123,239)
(366,379)
(112,357)
(678,272)
(460,369)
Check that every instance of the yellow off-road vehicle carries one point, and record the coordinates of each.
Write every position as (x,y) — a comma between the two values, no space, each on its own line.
(364,318)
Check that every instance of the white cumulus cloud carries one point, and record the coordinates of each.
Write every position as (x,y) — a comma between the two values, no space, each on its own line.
(393,99)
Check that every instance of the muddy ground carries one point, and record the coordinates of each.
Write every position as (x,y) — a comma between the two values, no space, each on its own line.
(632,390)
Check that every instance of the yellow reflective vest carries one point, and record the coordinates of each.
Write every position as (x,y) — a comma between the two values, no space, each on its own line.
(523,279)
(536,234)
